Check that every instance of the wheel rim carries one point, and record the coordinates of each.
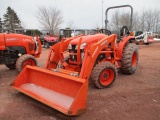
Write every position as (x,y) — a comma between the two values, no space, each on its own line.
(28,62)
(134,59)
(106,77)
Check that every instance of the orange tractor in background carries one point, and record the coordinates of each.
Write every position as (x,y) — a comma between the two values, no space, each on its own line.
(71,63)
(17,50)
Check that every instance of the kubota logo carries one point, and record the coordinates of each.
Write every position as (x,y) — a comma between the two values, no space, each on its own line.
(12,39)
(25,39)
(104,42)
(95,51)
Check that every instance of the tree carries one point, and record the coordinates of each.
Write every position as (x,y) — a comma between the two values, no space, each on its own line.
(115,21)
(120,19)
(156,24)
(0,25)
(49,18)
(147,20)
(135,25)
(70,25)
(11,20)
(125,20)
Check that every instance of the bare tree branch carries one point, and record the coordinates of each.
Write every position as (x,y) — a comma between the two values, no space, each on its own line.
(49,18)
(146,20)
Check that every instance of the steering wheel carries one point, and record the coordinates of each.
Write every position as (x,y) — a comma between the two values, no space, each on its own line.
(108,32)
(105,31)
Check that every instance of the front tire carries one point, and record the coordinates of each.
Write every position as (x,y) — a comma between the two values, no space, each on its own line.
(129,59)
(103,74)
(25,60)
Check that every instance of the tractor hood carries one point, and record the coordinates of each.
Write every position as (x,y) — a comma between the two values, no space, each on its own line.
(88,39)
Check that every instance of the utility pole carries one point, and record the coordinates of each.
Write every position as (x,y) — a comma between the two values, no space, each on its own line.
(102,14)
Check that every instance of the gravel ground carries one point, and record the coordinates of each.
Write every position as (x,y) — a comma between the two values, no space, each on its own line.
(131,97)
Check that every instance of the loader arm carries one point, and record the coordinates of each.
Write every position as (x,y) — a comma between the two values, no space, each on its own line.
(56,53)
(92,53)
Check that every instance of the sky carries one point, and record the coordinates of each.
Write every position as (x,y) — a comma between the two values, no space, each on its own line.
(84,14)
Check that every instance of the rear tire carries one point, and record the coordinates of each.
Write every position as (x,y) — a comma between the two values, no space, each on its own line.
(129,59)
(103,74)
(25,60)
(11,66)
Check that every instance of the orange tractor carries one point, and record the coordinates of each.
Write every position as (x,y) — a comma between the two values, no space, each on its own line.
(17,51)
(71,63)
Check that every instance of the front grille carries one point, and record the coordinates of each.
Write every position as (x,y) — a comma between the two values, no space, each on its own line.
(73,50)
(73,47)
(73,57)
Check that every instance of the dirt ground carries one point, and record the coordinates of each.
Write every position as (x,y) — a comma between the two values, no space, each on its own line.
(131,97)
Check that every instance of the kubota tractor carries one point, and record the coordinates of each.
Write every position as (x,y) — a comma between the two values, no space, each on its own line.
(17,51)
(71,63)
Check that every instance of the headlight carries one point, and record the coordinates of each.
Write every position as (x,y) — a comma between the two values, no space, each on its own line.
(82,46)
(69,46)
(82,55)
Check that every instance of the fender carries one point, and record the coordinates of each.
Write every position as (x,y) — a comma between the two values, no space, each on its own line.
(122,44)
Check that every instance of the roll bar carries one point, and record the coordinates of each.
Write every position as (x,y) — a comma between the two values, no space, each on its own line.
(106,21)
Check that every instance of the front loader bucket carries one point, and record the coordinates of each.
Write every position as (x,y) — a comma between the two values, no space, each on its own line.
(62,92)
